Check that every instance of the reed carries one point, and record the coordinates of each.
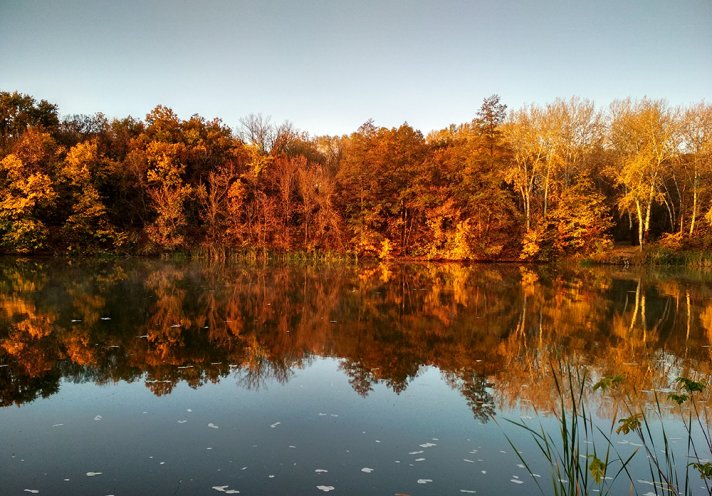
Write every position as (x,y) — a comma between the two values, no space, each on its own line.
(583,457)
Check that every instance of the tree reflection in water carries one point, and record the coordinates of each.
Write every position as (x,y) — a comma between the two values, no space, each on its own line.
(492,331)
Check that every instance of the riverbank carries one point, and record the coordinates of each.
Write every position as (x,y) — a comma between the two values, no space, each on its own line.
(654,254)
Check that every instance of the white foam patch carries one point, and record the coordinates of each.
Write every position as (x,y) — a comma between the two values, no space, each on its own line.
(271,476)
(367,470)
(275,425)
(182,421)
(213,426)
(483,471)
(326,489)
(416,452)
(93,474)
(57,425)
(220,488)
(424,481)
(468,461)
(427,445)
(98,418)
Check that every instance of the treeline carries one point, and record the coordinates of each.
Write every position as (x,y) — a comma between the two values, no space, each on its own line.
(535,183)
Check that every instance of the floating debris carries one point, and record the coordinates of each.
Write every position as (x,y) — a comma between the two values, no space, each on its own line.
(424,481)
(182,421)
(326,489)
(516,481)
(220,488)
(416,452)
(57,425)
(175,326)
(93,474)
(367,470)
(427,445)
(104,318)
(74,321)
(213,426)
(272,426)
(185,367)
(468,461)
(420,459)
(321,471)
(33,491)
(468,491)
(98,418)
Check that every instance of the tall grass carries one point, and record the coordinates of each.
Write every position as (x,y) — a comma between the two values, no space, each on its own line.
(583,457)
(579,463)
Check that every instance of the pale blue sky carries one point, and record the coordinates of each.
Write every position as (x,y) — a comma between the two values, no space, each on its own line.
(329,65)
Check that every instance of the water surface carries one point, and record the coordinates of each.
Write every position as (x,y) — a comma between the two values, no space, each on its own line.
(144,376)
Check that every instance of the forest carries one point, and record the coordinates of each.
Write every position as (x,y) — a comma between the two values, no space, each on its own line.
(537,183)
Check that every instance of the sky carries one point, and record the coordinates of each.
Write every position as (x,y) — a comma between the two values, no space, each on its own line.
(328,66)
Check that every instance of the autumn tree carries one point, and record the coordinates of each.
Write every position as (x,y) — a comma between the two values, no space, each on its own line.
(19,112)
(27,192)
(168,192)
(87,226)
(696,162)
(642,136)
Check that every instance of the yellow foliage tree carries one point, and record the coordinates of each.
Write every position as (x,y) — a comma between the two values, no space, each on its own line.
(23,191)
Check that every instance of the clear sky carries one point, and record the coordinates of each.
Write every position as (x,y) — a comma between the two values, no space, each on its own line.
(329,65)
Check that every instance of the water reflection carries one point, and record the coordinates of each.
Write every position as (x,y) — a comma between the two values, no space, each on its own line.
(492,331)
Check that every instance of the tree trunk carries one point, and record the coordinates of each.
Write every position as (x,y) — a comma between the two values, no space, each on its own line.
(694,209)
(640,224)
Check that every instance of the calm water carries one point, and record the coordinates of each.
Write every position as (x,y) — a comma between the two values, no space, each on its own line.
(149,377)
